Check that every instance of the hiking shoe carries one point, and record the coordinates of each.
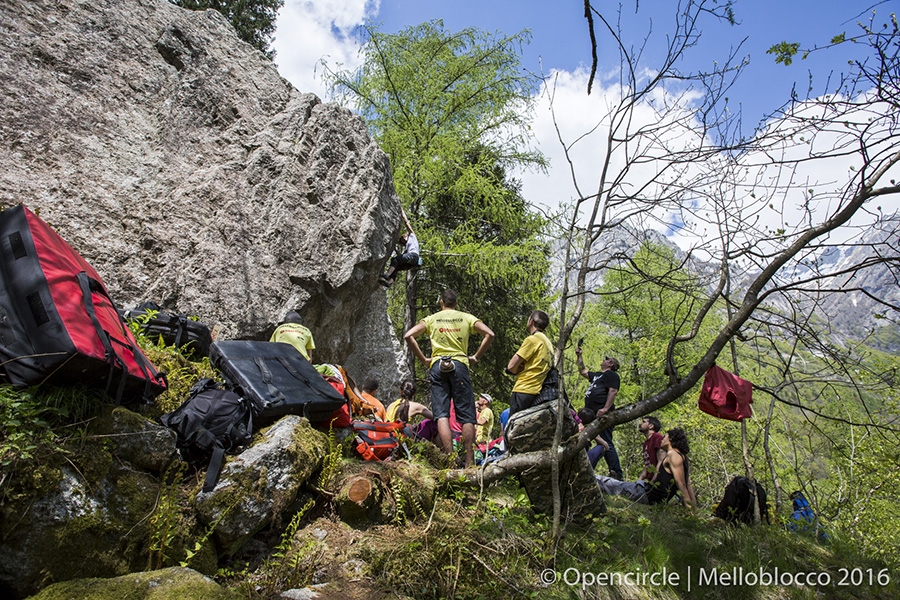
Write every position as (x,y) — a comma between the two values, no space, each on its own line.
(617,476)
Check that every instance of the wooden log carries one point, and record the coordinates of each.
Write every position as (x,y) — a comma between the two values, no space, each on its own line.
(372,492)
(362,497)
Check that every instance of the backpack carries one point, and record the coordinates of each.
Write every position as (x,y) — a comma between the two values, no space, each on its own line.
(803,519)
(736,505)
(211,422)
(550,387)
(175,330)
(377,440)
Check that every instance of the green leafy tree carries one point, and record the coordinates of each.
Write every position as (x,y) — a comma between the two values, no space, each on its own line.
(644,300)
(254,20)
(452,110)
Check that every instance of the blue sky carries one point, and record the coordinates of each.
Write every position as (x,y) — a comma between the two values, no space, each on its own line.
(312,30)
(560,36)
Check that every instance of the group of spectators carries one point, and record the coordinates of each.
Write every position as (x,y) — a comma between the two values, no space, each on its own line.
(453,400)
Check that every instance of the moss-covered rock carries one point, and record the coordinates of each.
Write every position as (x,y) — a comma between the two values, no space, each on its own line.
(258,485)
(174,583)
(141,442)
(87,517)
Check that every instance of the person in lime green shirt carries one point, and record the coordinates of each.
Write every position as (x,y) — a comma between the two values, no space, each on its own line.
(449,330)
(531,363)
(485,424)
(291,331)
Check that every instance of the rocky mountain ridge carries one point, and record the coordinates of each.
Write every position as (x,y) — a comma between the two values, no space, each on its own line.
(854,314)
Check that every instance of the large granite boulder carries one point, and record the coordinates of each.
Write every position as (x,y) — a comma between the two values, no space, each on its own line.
(187,171)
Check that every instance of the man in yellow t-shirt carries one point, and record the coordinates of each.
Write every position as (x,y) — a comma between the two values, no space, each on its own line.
(449,330)
(291,331)
(485,421)
(531,363)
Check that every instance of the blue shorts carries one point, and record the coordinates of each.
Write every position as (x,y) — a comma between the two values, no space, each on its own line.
(456,385)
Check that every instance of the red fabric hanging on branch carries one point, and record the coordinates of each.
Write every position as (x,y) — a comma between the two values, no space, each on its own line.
(725,395)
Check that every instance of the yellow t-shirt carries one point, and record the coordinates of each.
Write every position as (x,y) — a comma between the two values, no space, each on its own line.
(537,352)
(483,432)
(296,335)
(449,331)
(391,412)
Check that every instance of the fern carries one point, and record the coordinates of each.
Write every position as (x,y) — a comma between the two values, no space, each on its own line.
(399,501)
(165,517)
(198,544)
(331,463)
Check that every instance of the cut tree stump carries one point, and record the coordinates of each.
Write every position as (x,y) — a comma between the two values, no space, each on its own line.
(370,492)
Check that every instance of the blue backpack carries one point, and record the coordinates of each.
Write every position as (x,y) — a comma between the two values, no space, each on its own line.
(803,519)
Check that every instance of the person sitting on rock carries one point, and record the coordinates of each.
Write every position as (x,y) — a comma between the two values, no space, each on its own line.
(404,409)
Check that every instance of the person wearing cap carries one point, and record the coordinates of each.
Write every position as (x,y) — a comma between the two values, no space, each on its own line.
(531,363)
(291,331)
(600,398)
(484,423)
(449,330)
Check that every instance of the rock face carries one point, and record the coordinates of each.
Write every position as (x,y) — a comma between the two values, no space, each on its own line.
(179,163)
(88,515)
(263,481)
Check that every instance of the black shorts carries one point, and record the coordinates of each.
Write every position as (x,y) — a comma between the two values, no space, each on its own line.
(455,385)
(404,262)
(520,401)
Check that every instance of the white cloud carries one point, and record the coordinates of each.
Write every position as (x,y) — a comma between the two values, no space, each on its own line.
(582,122)
(310,30)
(583,125)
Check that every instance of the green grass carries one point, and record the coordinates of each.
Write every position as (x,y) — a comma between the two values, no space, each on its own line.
(495,548)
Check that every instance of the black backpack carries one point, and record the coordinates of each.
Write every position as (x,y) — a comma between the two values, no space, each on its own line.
(736,505)
(211,422)
(175,330)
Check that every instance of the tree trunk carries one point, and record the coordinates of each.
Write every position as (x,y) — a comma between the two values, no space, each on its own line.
(409,315)
(359,495)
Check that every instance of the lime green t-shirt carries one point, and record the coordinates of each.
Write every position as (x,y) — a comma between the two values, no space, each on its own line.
(483,432)
(297,336)
(537,352)
(449,331)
